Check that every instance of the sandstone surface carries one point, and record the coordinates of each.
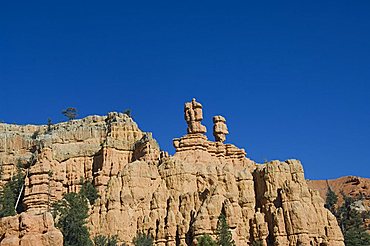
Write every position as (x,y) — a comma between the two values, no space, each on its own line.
(175,198)
(27,229)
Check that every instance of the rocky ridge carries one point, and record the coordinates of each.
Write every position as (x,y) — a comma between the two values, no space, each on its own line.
(173,198)
(350,185)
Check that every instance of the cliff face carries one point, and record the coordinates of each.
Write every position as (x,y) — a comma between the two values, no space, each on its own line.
(174,198)
(29,229)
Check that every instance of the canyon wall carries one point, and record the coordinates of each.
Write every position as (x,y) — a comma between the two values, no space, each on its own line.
(175,198)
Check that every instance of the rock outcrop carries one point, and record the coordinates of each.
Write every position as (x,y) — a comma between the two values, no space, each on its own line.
(29,230)
(193,116)
(219,128)
(175,198)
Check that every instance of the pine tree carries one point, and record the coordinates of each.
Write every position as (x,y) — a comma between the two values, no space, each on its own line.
(10,192)
(7,201)
(49,124)
(352,224)
(206,240)
(224,237)
(89,191)
(106,241)
(331,200)
(127,112)
(70,113)
(142,239)
(71,213)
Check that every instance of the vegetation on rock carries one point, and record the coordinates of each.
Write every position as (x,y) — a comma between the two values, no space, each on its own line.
(142,239)
(89,191)
(105,241)
(331,200)
(71,213)
(257,243)
(10,193)
(70,113)
(49,125)
(350,219)
(206,240)
(224,237)
(127,112)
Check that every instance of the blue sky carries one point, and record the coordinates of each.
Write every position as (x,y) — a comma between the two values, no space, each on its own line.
(292,78)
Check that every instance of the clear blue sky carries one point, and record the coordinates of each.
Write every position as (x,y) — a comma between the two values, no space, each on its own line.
(292,78)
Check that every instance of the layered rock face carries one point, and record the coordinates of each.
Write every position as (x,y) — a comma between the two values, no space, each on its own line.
(29,229)
(175,198)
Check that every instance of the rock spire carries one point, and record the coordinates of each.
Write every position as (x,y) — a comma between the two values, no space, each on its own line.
(219,128)
(193,116)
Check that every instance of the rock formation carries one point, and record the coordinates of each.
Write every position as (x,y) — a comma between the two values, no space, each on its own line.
(219,128)
(175,198)
(193,116)
(29,229)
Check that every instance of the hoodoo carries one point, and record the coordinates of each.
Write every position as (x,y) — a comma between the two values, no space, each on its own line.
(175,199)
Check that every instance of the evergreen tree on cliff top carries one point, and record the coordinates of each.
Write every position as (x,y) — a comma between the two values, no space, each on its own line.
(70,113)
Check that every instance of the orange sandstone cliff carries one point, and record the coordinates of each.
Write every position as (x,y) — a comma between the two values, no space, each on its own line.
(143,189)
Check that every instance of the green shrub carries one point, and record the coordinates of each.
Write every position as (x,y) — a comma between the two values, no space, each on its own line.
(7,200)
(206,240)
(70,113)
(331,200)
(257,243)
(349,219)
(352,223)
(127,112)
(9,194)
(71,213)
(142,239)
(89,191)
(101,240)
